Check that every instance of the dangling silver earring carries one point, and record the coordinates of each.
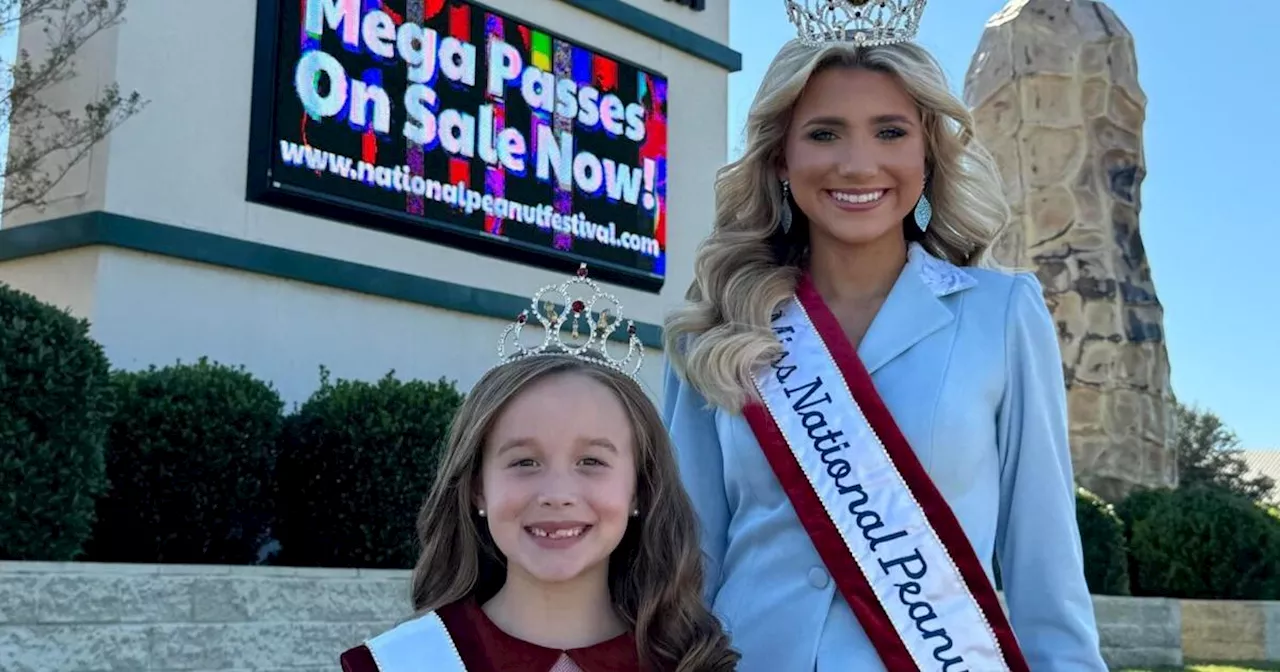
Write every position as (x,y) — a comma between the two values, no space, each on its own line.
(924,210)
(786,207)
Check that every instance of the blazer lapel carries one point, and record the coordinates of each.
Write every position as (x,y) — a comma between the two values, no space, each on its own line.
(914,308)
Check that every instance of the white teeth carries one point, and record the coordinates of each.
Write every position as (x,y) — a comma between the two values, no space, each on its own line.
(857,198)
(558,534)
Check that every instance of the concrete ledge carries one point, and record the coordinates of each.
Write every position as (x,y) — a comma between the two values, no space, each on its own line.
(1139,631)
(1231,631)
(71,617)
(87,617)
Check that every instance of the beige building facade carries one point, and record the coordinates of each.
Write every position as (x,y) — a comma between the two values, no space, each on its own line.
(376,186)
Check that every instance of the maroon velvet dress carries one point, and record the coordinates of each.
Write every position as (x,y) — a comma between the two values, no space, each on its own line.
(485,648)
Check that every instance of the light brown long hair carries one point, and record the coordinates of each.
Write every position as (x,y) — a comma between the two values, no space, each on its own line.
(655,574)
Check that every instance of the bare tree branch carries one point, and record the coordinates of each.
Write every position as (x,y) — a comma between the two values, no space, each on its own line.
(46,142)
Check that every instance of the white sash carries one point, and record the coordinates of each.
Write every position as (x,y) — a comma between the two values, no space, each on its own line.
(874,515)
(422,644)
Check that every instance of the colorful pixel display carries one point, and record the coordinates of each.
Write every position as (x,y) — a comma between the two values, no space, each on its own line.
(448,117)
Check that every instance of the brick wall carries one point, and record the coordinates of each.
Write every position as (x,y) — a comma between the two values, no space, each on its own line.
(73,617)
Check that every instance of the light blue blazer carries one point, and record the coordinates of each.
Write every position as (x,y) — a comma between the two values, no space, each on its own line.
(967,361)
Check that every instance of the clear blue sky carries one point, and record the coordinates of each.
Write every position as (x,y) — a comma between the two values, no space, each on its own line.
(1211,202)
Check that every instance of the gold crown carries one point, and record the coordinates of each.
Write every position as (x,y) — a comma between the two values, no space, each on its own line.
(865,23)
(572,303)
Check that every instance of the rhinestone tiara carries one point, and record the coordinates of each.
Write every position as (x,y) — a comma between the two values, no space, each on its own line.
(865,23)
(572,303)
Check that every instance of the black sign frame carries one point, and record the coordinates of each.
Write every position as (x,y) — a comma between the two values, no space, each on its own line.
(263,188)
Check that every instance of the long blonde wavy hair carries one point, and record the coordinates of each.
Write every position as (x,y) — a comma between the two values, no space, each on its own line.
(749,266)
(655,574)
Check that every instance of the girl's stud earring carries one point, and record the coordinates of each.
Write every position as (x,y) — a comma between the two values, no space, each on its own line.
(481,512)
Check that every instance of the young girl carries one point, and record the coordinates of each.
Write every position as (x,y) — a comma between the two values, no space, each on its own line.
(557,537)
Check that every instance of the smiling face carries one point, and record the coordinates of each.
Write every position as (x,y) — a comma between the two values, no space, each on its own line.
(558,479)
(855,156)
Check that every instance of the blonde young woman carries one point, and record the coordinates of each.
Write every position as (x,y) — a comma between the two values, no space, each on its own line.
(864,416)
(556,537)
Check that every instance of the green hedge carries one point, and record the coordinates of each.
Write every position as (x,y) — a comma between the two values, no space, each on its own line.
(190,458)
(1136,506)
(1106,561)
(1202,543)
(54,383)
(203,467)
(356,462)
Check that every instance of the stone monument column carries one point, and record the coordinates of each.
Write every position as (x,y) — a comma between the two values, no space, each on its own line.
(1055,92)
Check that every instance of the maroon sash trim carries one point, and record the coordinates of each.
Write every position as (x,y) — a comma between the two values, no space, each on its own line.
(845,572)
(827,540)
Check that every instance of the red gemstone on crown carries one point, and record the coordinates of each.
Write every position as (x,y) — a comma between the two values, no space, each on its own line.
(579,306)
(582,271)
(521,318)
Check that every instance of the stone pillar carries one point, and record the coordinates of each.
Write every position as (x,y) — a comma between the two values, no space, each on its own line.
(1055,93)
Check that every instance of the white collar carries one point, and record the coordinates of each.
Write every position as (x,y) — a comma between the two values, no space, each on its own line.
(939,275)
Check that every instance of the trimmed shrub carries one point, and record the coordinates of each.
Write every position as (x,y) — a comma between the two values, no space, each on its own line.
(190,459)
(55,405)
(1106,559)
(1137,505)
(356,462)
(1204,543)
